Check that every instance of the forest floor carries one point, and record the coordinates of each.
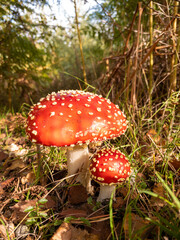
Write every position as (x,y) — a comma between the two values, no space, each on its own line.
(50,207)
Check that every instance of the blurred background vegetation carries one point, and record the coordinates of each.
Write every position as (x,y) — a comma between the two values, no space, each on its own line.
(130,50)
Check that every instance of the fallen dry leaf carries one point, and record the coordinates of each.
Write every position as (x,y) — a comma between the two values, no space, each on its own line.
(29,238)
(67,232)
(158,189)
(174,164)
(152,134)
(137,223)
(15,164)
(28,179)
(64,232)
(118,203)
(18,209)
(4,229)
(73,212)
(3,155)
(3,185)
(6,182)
(124,191)
(2,192)
(77,194)
(100,229)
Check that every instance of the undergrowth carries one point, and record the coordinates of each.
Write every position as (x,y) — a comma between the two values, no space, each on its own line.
(147,206)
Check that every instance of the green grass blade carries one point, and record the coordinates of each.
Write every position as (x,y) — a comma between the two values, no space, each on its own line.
(157,196)
(5,228)
(175,199)
(111,215)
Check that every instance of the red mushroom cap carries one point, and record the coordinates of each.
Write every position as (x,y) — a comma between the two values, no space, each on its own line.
(109,166)
(71,117)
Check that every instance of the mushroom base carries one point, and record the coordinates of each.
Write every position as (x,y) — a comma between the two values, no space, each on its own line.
(78,162)
(105,192)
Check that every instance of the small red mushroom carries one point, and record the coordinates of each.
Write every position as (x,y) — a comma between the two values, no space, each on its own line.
(73,119)
(109,167)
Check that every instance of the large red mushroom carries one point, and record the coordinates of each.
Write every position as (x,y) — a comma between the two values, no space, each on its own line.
(73,119)
(109,167)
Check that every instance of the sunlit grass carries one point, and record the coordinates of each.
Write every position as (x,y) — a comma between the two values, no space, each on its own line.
(150,142)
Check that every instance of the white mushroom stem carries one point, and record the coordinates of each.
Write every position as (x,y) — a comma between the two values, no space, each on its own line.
(106,191)
(78,162)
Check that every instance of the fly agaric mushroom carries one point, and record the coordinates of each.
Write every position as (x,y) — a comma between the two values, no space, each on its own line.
(73,119)
(109,167)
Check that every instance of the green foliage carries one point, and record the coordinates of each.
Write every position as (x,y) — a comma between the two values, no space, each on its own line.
(108,20)
(95,205)
(21,50)
(36,214)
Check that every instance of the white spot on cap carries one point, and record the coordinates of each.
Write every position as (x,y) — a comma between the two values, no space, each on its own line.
(54,103)
(87,105)
(79,112)
(34,132)
(94,169)
(85,133)
(52,114)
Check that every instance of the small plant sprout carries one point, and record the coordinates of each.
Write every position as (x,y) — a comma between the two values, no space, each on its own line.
(36,213)
(109,167)
(73,119)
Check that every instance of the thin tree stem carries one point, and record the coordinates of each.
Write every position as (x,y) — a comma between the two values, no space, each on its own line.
(134,79)
(151,54)
(174,60)
(80,43)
